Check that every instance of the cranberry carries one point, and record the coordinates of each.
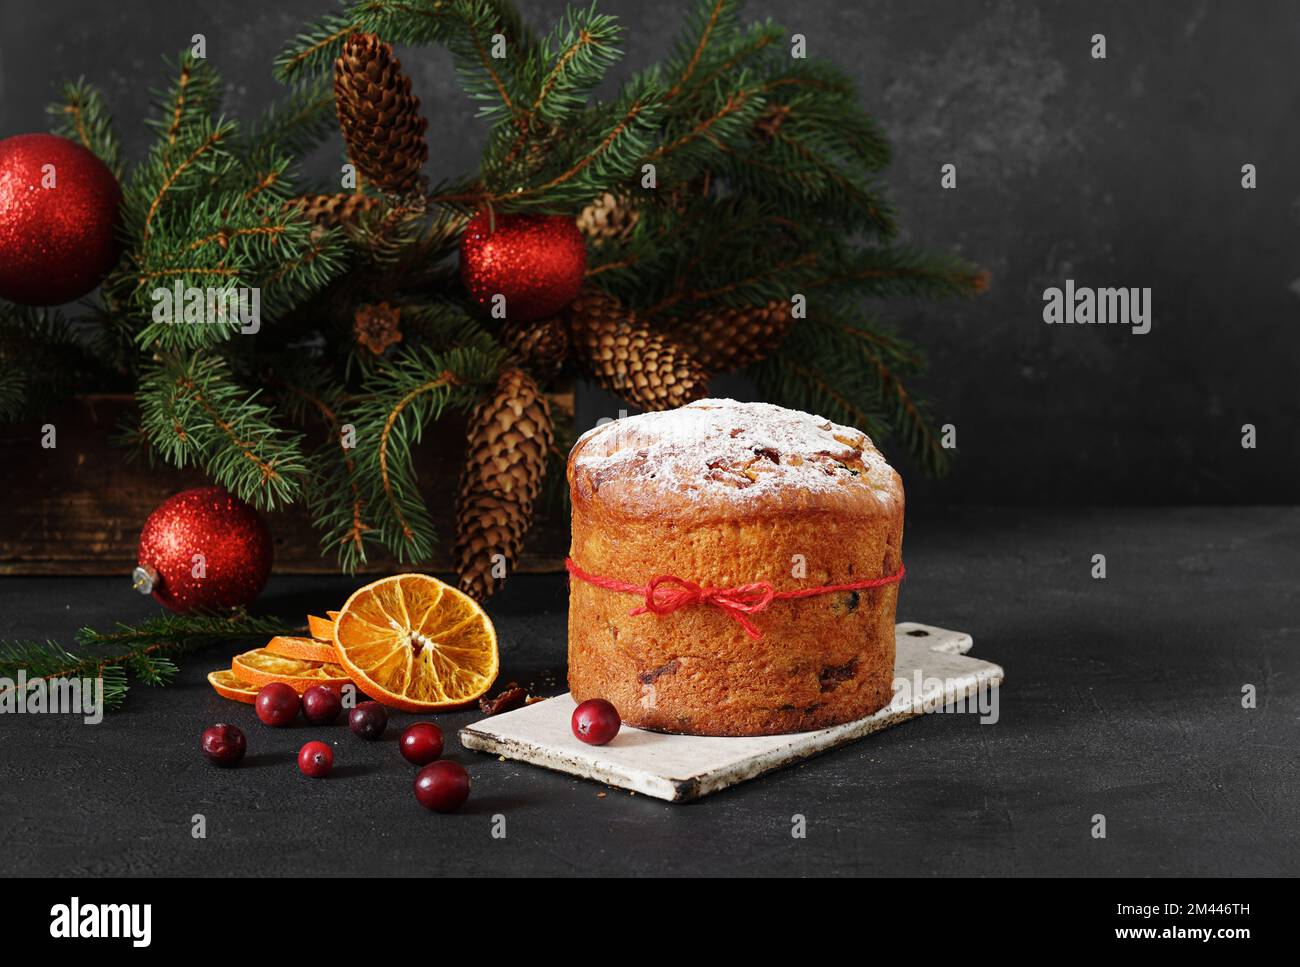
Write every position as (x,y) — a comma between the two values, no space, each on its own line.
(442,786)
(595,721)
(223,744)
(422,743)
(316,759)
(321,704)
(368,720)
(277,704)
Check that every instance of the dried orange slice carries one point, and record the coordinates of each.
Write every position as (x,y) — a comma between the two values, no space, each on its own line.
(417,644)
(304,649)
(259,667)
(225,684)
(322,629)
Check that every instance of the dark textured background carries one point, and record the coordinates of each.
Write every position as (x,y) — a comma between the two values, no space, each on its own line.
(1122,698)
(1117,172)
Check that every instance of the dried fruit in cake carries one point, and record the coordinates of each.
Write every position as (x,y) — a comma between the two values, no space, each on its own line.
(260,667)
(724,495)
(304,649)
(417,644)
(225,684)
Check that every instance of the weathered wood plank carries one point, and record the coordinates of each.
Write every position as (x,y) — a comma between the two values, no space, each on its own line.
(78,507)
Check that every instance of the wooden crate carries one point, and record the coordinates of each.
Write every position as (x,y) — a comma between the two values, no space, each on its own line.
(78,508)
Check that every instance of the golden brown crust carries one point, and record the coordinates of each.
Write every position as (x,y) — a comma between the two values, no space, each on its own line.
(650,503)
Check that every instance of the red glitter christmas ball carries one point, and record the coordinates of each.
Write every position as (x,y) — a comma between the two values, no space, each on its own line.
(58,213)
(536,261)
(203,550)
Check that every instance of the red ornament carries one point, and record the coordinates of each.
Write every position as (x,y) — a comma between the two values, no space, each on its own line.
(58,214)
(203,550)
(536,261)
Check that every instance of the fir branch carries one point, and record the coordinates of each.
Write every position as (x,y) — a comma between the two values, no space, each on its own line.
(709,23)
(840,189)
(892,271)
(13,393)
(909,418)
(730,118)
(850,370)
(759,39)
(147,650)
(43,359)
(575,56)
(315,49)
(399,400)
(294,125)
(622,137)
(193,98)
(194,413)
(335,497)
(82,116)
(171,169)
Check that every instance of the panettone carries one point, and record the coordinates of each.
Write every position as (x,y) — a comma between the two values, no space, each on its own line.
(756,499)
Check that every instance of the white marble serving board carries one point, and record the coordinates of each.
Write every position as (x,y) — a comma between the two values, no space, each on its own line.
(680,768)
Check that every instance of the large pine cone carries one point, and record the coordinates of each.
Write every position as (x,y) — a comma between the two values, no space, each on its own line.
(378,114)
(540,346)
(607,219)
(507,447)
(332,211)
(644,367)
(726,339)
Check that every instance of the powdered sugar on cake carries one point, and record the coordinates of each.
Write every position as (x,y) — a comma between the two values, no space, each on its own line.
(731,451)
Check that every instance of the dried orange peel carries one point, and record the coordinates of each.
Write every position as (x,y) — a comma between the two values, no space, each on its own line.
(417,644)
(259,667)
(322,629)
(304,649)
(225,684)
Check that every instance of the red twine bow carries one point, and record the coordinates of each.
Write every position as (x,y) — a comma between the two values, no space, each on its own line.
(666,593)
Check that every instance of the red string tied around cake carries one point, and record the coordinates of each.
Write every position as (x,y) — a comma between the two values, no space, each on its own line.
(666,593)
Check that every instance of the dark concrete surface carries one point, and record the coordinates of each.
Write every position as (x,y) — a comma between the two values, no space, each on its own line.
(1122,172)
(1123,697)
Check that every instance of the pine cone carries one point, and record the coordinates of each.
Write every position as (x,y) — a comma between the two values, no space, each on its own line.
(379,115)
(608,219)
(726,339)
(538,346)
(332,211)
(507,446)
(644,367)
(376,326)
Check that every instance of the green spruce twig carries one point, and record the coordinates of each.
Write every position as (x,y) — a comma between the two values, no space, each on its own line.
(146,651)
